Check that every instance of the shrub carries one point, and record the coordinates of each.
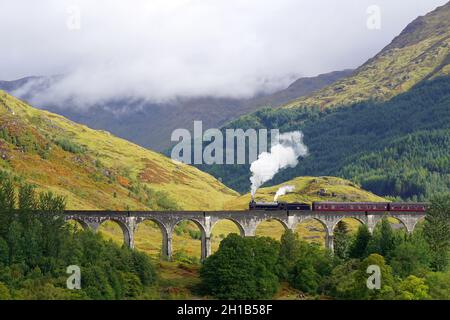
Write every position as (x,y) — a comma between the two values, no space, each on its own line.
(242,268)
(70,146)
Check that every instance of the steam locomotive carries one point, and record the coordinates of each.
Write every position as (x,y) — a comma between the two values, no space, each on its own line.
(273,206)
(339,206)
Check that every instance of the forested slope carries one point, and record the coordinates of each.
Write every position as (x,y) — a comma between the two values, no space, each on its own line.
(397,148)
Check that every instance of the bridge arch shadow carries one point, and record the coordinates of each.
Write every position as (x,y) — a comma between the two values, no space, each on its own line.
(312,230)
(150,236)
(352,223)
(187,235)
(221,229)
(77,225)
(115,230)
(272,228)
(395,222)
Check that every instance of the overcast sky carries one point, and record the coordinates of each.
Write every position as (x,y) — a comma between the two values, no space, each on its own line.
(158,49)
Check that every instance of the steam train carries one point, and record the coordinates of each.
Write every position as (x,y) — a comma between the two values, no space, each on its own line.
(339,206)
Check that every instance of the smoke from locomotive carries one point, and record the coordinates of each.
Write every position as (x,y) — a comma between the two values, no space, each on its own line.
(282,155)
(282,191)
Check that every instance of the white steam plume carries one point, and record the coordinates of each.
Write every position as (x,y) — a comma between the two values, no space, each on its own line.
(282,155)
(282,191)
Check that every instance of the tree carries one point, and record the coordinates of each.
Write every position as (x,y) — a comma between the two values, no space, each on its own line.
(4,252)
(305,266)
(349,280)
(358,249)
(387,239)
(387,280)
(289,252)
(439,285)
(411,257)
(36,247)
(437,231)
(412,288)
(242,268)
(7,202)
(304,276)
(342,240)
(4,292)
(343,280)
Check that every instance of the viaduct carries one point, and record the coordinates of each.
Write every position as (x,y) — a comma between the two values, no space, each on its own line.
(246,221)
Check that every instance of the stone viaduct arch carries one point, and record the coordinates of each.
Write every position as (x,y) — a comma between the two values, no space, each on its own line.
(247,222)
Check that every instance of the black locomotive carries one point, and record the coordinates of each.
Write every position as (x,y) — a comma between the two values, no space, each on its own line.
(273,206)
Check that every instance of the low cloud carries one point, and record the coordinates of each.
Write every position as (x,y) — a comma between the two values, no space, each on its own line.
(158,50)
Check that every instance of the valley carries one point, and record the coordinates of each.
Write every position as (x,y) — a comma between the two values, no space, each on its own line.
(150,124)
(378,133)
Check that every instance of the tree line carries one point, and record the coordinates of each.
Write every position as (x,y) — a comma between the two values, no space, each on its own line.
(37,246)
(413,267)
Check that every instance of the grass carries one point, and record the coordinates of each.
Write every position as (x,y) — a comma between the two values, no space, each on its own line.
(96,170)
(393,71)
(308,189)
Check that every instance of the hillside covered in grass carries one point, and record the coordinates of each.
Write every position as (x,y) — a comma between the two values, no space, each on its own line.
(94,169)
(308,190)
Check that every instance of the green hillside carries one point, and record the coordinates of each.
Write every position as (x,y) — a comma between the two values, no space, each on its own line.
(94,169)
(396,148)
(151,124)
(420,52)
(309,189)
(386,127)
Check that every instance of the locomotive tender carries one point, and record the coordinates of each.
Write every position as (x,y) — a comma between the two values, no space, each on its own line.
(339,206)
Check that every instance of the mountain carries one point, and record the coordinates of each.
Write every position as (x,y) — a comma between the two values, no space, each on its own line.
(151,124)
(393,141)
(309,189)
(94,169)
(419,53)
(396,148)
